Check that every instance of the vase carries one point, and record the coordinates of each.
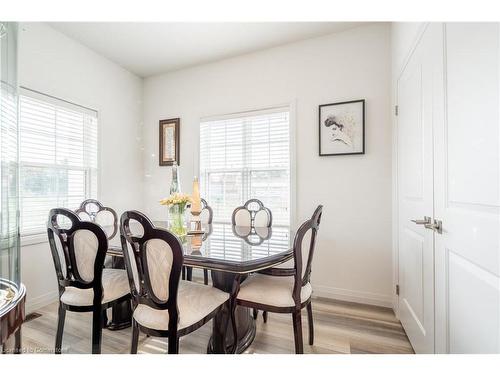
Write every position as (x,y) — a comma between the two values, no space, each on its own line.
(177,219)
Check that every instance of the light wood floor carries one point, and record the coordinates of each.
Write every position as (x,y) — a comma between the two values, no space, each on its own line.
(340,327)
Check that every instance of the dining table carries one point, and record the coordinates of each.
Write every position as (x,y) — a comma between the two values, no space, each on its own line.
(231,253)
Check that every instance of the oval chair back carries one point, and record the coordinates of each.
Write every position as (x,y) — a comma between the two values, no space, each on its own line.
(303,275)
(153,262)
(94,211)
(206,214)
(254,236)
(252,214)
(78,250)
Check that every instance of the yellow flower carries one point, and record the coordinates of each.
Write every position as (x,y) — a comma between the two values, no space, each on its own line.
(176,198)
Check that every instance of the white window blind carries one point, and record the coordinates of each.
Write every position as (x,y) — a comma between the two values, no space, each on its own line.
(58,157)
(247,156)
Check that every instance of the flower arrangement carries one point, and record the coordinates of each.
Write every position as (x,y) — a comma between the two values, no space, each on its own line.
(177,203)
(177,199)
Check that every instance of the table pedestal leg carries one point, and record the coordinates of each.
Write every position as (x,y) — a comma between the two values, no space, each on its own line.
(121,313)
(222,334)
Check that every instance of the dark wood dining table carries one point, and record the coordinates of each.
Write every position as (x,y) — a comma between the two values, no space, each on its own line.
(229,252)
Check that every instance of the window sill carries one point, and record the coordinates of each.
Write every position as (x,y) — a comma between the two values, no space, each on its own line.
(33,239)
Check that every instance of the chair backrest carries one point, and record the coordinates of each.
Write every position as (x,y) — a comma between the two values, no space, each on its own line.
(252,214)
(206,214)
(153,262)
(78,250)
(303,275)
(253,236)
(94,211)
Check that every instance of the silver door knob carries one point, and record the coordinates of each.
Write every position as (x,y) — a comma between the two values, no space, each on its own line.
(427,220)
(437,226)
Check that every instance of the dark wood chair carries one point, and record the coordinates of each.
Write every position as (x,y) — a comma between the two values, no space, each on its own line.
(78,251)
(206,216)
(252,214)
(207,213)
(253,236)
(286,290)
(164,305)
(94,211)
(249,219)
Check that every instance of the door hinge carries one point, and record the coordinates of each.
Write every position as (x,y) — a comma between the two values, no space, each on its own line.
(396,110)
(397,289)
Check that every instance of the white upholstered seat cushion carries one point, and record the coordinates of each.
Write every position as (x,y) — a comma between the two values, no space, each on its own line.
(114,283)
(271,290)
(194,300)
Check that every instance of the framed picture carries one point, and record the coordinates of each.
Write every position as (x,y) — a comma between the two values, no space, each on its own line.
(342,128)
(169,141)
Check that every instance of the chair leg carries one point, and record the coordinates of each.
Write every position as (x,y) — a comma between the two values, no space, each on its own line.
(97,330)
(189,273)
(297,332)
(173,344)
(61,316)
(255,313)
(205,276)
(135,337)
(183,273)
(105,319)
(264,315)
(17,341)
(311,323)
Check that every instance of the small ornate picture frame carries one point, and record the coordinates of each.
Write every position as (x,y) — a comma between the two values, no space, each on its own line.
(169,141)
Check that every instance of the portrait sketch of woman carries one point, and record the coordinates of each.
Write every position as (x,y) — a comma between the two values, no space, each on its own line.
(341,127)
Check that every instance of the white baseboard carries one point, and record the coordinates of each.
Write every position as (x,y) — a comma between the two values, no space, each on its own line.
(353,296)
(33,304)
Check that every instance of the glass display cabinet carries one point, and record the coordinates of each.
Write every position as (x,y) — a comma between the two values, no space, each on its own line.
(12,292)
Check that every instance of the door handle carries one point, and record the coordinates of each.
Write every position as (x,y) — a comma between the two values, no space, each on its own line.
(427,221)
(437,226)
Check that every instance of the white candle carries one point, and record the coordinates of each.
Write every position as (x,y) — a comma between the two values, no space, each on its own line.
(196,204)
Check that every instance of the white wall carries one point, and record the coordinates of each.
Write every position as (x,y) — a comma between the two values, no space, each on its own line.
(353,257)
(52,63)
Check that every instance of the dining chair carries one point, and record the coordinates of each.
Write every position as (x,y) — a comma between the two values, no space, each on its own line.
(94,211)
(286,290)
(251,217)
(206,217)
(207,213)
(78,250)
(253,236)
(164,305)
(252,214)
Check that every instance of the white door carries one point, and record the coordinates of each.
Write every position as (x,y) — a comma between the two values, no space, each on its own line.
(467,175)
(416,101)
(415,190)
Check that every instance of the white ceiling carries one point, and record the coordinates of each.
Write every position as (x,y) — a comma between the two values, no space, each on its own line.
(152,48)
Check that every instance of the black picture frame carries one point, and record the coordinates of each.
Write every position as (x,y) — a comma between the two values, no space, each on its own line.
(174,125)
(320,107)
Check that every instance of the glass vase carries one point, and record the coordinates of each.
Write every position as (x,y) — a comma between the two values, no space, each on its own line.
(177,219)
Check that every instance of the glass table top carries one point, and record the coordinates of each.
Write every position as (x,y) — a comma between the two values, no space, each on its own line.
(229,248)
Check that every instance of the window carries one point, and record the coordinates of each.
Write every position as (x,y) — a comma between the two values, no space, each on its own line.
(57,157)
(247,156)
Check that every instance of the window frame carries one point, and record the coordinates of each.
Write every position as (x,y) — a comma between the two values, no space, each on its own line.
(289,106)
(28,239)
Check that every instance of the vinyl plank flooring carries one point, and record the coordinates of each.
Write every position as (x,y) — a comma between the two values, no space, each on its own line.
(340,328)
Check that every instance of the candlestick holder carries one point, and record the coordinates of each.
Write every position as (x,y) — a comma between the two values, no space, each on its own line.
(195,224)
